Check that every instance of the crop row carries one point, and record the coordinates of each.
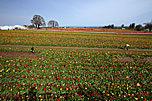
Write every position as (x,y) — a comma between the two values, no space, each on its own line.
(77,74)
(74,39)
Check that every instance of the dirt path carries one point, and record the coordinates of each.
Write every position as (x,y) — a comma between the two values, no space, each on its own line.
(58,47)
(23,55)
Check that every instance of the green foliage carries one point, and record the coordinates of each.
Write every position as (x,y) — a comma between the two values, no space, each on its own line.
(77,74)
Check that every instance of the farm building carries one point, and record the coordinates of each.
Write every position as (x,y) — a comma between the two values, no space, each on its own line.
(12,27)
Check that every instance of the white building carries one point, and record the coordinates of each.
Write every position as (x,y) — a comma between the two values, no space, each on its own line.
(6,27)
(19,27)
(12,27)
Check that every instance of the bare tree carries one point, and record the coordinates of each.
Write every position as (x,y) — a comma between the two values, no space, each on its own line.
(38,21)
(148,26)
(138,27)
(112,26)
(53,23)
(122,26)
(132,26)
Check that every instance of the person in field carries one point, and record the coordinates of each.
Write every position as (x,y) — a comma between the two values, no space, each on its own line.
(127,46)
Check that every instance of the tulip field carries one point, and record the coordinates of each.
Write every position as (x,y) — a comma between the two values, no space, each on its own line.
(75,39)
(77,75)
(74,74)
(96,30)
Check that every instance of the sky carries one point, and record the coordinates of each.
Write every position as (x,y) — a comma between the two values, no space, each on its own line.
(76,12)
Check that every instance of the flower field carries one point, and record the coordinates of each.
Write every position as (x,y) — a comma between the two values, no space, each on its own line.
(74,74)
(75,39)
(96,30)
(65,74)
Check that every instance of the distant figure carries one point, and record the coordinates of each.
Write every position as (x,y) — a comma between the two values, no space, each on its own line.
(32,49)
(127,46)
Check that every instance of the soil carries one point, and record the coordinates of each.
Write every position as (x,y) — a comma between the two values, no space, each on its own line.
(85,48)
(123,59)
(23,55)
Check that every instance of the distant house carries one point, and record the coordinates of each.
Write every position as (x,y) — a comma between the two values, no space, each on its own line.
(146,30)
(18,27)
(26,27)
(123,28)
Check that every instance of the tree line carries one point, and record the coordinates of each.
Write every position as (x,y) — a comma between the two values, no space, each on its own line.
(38,21)
(139,27)
(133,26)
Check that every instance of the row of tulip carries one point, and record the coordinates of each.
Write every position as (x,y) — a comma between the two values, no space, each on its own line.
(96,30)
(77,75)
(74,39)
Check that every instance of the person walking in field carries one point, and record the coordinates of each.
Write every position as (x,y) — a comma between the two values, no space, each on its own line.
(127,46)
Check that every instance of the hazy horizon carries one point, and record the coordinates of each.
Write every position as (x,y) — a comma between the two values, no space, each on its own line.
(76,12)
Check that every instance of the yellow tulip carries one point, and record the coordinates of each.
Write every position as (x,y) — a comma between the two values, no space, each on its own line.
(138,84)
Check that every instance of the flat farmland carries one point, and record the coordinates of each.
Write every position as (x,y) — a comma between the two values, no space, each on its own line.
(75,39)
(97,69)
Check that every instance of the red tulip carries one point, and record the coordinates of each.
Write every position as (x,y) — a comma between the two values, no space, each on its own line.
(19,85)
(24,76)
(44,89)
(18,95)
